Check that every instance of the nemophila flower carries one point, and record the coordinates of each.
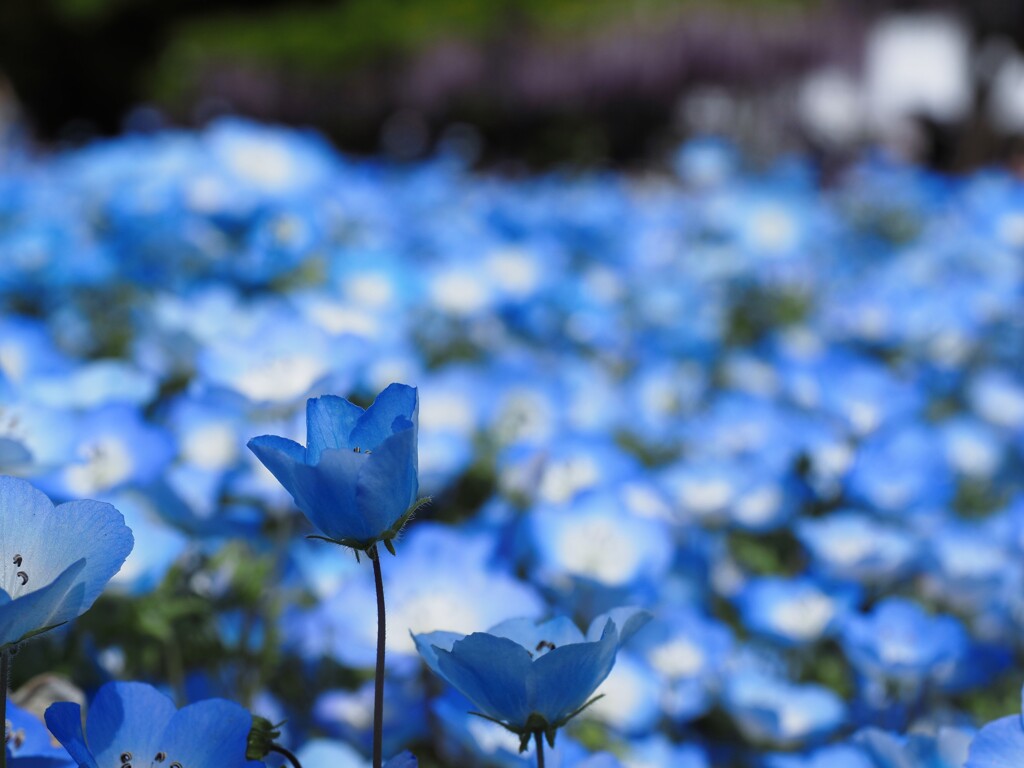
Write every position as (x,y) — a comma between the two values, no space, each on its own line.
(356,478)
(54,561)
(690,651)
(899,641)
(133,724)
(771,710)
(530,677)
(851,545)
(792,611)
(29,744)
(946,748)
(999,744)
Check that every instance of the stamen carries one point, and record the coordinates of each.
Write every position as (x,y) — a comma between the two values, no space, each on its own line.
(17,560)
(126,757)
(24,577)
(160,757)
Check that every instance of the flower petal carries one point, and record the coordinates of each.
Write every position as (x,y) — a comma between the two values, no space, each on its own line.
(394,410)
(329,423)
(387,483)
(208,734)
(530,634)
(44,607)
(1000,744)
(127,718)
(563,679)
(64,720)
(628,620)
(429,643)
(491,672)
(41,541)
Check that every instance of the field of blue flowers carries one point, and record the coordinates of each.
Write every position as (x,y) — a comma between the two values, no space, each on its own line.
(783,417)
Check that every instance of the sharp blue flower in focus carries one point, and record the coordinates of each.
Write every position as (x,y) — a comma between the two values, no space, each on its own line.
(54,561)
(531,677)
(356,479)
(135,724)
(1000,744)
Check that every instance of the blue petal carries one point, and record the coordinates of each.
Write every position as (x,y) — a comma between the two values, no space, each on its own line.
(428,644)
(394,410)
(41,609)
(628,620)
(329,423)
(64,720)
(491,672)
(530,634)
(999,744)
(387,484)
(563,679)
(50,539)
(403,760)
(127,718)
(326,493)
(208,734)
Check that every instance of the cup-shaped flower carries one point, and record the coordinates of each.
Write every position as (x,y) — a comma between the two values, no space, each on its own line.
(356,479)
(54,561)
(134,724)
(531,677)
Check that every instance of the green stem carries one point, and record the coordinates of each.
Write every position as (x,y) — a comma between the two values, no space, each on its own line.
(540,748)
(5,683)
(288,755)
(378,689)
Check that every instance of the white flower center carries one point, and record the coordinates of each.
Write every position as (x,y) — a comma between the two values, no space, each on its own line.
(108,462)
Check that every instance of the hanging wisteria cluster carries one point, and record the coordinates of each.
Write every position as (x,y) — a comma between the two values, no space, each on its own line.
(783,417)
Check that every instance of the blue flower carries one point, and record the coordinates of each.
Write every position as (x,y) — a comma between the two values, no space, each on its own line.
(531,677)
(54,561)
(29,744)
(133,723)
(999,744)
(356,479)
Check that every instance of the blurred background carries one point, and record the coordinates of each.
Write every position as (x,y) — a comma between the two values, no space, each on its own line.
(532,81)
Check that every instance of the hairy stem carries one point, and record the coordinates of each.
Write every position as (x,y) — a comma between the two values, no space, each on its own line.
(5,683)
(378,688)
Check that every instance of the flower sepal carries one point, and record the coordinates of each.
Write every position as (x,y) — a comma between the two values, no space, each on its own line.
(369,546)
(262,736)
(537,723)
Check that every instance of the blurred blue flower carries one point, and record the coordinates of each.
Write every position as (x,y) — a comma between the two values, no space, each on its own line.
(899,641)
(947,748)
(29,744)
(531,677)
(135,724)
(770,710)
(356,479)
(55,560)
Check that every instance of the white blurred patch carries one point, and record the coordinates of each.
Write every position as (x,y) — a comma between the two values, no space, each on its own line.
(831,106)
(108,462)
(916,63)
(211,446)
(805,617)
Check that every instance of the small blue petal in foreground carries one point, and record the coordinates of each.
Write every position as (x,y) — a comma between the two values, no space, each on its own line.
(54,561)
(357,476)
(135,723)
(530,677)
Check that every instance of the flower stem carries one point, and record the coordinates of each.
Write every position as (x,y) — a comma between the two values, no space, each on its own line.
(540,748)
(288,755)
(5,683)
(378,688)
